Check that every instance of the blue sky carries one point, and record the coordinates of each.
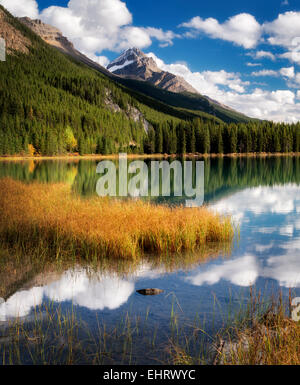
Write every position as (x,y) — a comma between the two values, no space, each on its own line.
(243,53)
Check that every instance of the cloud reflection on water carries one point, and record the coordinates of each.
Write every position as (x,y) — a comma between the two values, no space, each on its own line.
(273,246)
(94,292)
(270,248)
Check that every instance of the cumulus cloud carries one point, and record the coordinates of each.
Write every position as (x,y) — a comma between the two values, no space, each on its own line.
(262,55)
(95,292)
(264,258)
(242,272)
(285,269)
(265,73)
(279,105)
(292,56)
(285,32)
(94,26)
(260,204)
(260,201)
(284,29)
(21,8)
(242,29)
(21,303)
(245,31)
(205,82)
(287,72)
(166,37)
(246,270)
(229,89)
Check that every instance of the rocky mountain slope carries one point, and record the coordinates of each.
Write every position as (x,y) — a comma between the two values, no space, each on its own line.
(140,73)
(14,39)
(54,37)
(134,64)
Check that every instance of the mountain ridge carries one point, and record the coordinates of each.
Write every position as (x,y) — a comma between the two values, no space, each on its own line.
(134,64)
(186,98)
(53,104)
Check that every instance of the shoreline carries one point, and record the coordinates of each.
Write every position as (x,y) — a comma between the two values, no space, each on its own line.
(148,156)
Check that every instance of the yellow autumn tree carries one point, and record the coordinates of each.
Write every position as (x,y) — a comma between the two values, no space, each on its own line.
(31,150)
(70,140)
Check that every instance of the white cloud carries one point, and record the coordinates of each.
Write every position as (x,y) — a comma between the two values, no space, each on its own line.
(292,56)
(166,37)
(94,26)
(102,60)
(242,29)
(21,8)
(133,37)
(260,204)
(242,272)
(284,29)
(105,291)
(253,64)
(205,82)
(94,292)
(285,268)
(287,72)
(21,303)
(279,105)
(229,89)
(265,73)
(245,31)
(262,55)
(295,81)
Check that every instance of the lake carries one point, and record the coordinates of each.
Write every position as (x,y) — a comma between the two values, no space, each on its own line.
(263,197)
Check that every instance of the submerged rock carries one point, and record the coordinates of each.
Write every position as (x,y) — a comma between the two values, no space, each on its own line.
(150,291)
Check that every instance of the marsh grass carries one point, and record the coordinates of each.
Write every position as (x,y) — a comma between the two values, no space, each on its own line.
(51,219)
(55,336)
(259,332)
(267,336)
(262,333)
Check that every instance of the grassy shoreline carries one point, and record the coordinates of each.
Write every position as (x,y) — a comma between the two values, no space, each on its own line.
(149,156)
(60,223)
(53,336)
(261,334)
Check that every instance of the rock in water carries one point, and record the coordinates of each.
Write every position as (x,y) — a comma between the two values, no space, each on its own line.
(150,291)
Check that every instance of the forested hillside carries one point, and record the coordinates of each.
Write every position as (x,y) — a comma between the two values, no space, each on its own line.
(51,104)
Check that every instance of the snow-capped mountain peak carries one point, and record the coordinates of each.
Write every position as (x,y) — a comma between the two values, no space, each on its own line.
(134,64)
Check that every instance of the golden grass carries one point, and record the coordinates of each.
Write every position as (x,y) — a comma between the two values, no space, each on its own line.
(267,336)
(55,220)
(276,341)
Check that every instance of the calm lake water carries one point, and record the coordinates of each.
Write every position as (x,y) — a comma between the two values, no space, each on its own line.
(263,197)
